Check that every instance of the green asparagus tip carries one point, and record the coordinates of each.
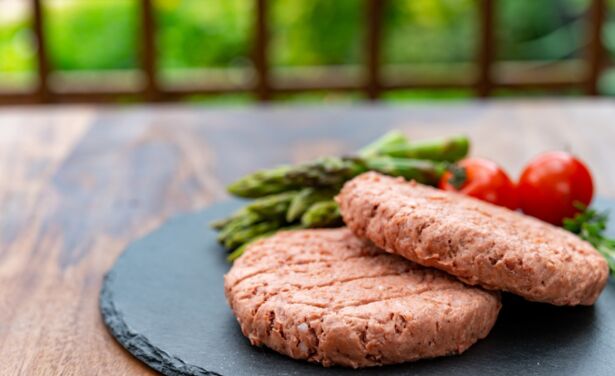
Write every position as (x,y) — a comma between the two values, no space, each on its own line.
(236,253)
(389,139)
(322,214)
(422,171)
(262,183)
(444,149)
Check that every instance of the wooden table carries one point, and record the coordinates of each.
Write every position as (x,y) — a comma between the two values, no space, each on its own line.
(77,184)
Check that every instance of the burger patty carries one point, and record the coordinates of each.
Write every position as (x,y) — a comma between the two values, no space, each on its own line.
(328,297)
(479,243)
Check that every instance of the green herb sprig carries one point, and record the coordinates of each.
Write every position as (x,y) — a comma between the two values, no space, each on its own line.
(459,176)
(590,225)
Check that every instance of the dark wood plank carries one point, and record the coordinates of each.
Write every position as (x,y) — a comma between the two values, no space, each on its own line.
(80,183)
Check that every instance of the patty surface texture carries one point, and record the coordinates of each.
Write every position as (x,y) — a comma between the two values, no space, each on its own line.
(479,243)
(328,297)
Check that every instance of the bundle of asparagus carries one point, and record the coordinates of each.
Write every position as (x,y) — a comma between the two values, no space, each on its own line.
(301,196)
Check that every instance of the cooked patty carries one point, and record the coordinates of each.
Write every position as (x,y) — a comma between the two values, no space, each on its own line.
(328,297)
(479,243)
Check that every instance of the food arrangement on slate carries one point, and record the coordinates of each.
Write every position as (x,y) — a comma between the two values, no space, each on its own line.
(398,253)
(287,295)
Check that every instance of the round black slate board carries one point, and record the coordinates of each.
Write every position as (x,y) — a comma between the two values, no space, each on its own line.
(164,302)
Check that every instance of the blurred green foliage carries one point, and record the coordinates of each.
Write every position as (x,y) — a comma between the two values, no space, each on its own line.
(316,32)
(197,33)
(426,31)
(16,53)
(92,34)
(103,34)
(552,30)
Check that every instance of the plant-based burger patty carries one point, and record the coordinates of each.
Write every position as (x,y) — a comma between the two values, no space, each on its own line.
(328,297)
(479,243)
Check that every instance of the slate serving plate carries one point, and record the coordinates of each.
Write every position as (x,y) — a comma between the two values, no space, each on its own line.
(164,302)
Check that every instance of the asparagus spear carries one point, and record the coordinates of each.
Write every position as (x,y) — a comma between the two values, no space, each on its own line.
(238,223)
(286,194)
(322,214)
(278,206)
(263,183)
(334,171)
(220,224)
(323,172)
(317,173)
(244,235)
(272,206)
(449,149)
(239,250)
(304,199)
(423,171)
(388,140)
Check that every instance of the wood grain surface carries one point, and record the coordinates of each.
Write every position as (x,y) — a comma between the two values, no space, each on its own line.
(77,184)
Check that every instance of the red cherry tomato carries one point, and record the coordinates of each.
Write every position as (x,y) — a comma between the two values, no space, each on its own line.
(484,180)
(551,184)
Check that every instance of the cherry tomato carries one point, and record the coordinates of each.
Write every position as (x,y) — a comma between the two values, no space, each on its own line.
(484,180)
(551,184)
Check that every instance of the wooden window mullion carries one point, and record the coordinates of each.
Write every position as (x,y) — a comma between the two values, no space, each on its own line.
(486,48)
(595,48)
(43,93)
(151,90)
(262,87)
(374,15)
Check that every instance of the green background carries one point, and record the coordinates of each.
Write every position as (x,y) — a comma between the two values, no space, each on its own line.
(102,35)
